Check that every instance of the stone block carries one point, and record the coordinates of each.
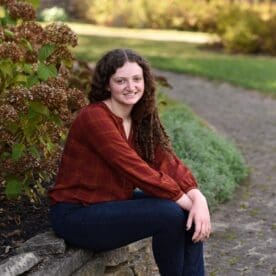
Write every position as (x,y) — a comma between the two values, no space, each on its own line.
(18,264)
(125,271)
(43,244)
(64,265)
(136,246)
(114,257)
(94,267)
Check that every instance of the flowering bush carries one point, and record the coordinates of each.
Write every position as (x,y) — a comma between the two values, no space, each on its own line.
(36,103)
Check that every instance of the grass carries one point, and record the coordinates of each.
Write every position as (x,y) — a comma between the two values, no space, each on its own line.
(217,164)
(253,72)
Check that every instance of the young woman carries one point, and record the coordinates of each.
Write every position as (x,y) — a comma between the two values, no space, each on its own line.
(116,144)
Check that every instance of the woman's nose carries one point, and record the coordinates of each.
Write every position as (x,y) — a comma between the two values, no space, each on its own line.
(131,86)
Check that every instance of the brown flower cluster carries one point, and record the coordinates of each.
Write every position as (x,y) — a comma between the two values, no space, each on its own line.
(76,99)
(21,10)
(2,35)
(18,97)
(60,53)
(31,57)
(59,33)
(6,2)
(7,114)
(31,31)
(11,50)
(53,98)
(57,82)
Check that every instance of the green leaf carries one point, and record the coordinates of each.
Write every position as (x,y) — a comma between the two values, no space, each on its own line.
(26,43)
(13,187)
(17,151)
(50,146)
(56,119)
(34,151)
(46,71)
(32,80)
(12,127)
(20,78)
(9,33)
(45,52)
(27,68)
(39,108)
(6,66)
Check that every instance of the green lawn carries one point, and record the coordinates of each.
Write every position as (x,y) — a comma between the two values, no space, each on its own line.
(255,72)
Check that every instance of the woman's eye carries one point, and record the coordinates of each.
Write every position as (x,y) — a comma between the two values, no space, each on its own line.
(120,81)
(137,79)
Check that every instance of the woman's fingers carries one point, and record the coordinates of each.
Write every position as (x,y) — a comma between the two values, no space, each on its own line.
(190,220)
(202,231)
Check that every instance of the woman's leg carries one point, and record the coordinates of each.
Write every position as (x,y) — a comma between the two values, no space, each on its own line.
(193,252)
(109,225)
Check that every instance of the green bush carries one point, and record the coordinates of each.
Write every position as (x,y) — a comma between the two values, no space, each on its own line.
(217,164)
(240,30)
(36,102)
(268,36)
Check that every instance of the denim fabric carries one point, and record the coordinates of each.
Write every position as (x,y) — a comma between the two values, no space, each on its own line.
(109,225)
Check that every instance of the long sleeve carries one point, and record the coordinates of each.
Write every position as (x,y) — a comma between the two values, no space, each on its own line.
(100,134)
(170,164)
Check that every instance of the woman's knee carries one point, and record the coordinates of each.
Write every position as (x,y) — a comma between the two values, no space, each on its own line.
(171,214)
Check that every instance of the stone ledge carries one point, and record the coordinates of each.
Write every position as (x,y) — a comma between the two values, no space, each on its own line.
(48,255)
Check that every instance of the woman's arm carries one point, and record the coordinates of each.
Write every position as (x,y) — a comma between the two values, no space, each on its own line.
(99,133)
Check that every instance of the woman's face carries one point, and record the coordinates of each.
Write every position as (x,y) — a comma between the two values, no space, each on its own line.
(127,84)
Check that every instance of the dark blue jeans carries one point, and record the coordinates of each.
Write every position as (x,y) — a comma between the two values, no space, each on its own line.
(109,225)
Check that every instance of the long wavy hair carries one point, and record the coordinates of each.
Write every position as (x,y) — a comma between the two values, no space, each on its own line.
(148,129)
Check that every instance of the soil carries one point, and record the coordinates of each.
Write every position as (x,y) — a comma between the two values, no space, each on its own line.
(19,221)
(244,229)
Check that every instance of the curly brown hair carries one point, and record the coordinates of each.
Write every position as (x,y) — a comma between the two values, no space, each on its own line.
(148,129)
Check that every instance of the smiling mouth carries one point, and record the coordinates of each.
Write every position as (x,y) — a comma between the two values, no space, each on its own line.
(130,94)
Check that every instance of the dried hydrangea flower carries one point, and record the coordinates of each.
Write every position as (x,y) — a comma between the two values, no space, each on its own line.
(76,99)
(59,33)
(31,31)
(60,53)
(7,113)
(7,2)
(21,10)
(17,97)
(10,50)
(31,57)
(57,82)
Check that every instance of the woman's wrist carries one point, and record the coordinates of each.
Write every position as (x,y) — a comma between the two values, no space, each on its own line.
(184,202)
(195,194)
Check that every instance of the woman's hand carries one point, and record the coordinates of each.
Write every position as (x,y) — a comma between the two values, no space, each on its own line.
(199,214)
(185,202)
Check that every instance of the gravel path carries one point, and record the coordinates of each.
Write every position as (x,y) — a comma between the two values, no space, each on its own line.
(244,229)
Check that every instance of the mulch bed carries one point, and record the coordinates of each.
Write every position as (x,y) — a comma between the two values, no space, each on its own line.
(19,221)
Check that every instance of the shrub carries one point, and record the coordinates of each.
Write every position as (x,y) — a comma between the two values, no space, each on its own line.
(36,104)
(240,30)
(216,163)
(268,36)
(53,14)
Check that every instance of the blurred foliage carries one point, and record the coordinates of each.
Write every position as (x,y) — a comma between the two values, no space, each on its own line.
(53,14)
(244,26)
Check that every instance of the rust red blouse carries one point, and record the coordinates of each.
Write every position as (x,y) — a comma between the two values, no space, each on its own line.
(100,164)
